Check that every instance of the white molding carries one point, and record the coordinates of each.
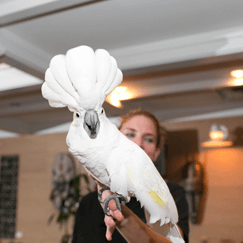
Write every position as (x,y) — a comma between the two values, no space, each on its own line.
(15,78)
(57,129)
(6,134)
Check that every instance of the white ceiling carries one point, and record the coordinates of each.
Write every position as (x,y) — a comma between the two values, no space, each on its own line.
(175,55)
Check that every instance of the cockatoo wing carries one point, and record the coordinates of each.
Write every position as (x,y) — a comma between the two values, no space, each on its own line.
(135,174)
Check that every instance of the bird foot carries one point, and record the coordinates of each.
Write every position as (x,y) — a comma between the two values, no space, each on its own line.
(118,199)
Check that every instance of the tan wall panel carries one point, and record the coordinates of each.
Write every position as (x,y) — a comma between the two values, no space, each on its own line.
(36,155)
(223,215)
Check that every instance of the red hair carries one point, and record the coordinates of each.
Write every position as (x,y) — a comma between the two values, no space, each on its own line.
(160,132)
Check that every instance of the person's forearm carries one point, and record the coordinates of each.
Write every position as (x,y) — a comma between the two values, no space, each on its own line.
(134,230)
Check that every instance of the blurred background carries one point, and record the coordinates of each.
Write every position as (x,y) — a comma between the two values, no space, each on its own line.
(178,60)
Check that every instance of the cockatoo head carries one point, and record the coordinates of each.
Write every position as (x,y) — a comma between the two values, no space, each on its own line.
(89,120)
(81,80)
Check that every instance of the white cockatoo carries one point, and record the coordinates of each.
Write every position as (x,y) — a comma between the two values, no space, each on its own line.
(81,80)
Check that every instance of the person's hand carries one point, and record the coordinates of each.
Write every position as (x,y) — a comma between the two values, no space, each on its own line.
(113,211)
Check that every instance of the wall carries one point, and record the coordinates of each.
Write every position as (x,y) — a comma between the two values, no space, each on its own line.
(36,155)
(223,214)
(222,219)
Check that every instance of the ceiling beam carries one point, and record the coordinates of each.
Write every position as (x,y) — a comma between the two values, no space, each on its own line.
(181,49)
(212,115)
(143,91)
(14,12)
(2,50)
(23,54)
(14,125)
(183,113)
(18,108)
(35,61)
(153,85)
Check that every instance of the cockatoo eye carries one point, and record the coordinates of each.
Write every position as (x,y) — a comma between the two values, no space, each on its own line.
(77,115)
(102,111)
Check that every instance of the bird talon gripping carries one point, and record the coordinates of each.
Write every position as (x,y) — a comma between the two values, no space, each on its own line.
(118,199)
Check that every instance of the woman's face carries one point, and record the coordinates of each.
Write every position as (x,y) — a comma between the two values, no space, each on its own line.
(141,130)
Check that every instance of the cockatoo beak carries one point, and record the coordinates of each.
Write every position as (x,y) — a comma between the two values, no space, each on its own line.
(91,123)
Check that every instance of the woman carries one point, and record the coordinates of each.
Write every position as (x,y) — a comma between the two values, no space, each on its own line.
(142,128)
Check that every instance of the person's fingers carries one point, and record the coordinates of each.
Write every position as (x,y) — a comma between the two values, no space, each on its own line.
(110,227)
(109,232)
(109,221)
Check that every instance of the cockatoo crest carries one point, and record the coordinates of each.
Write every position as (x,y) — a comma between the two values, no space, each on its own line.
(81,79)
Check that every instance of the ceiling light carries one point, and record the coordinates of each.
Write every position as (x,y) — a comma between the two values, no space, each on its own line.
(120,89)
(113,99)
(122,93)
(237,82)
(237,73)
(218,135)
(118,94)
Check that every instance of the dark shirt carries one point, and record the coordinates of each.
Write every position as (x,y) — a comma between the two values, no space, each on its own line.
(179,195)
(89,222)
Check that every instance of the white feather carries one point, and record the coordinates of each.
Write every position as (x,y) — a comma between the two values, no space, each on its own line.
(59,72)
(61,95)
(80,62)
(116,81)
(53,98)
(103,65)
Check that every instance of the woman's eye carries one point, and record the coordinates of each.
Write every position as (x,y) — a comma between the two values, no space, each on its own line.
(130,135)
(149,140)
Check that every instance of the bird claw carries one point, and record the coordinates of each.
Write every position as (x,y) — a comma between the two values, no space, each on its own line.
(101,191)
(118,199)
